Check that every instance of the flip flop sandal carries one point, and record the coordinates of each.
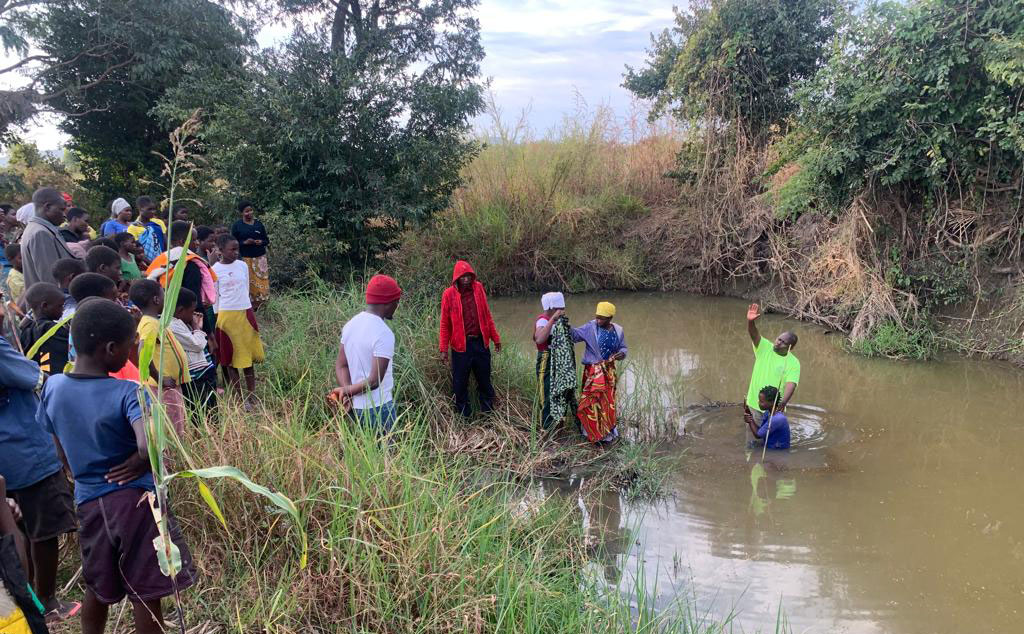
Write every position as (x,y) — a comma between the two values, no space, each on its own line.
(67,610)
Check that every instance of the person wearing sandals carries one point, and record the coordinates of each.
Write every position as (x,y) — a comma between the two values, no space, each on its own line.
(29,464)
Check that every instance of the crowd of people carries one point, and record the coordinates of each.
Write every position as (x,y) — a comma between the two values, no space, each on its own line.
(79,308)
(79,311)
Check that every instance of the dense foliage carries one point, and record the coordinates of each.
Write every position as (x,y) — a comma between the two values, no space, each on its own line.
(736,60)
(356,128)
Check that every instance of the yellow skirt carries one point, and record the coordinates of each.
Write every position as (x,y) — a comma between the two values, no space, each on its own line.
(238,339)
(259,278)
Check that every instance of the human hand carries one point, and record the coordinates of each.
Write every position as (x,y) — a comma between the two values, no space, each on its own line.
(753,312)
(444,357)
(15,509)
(197,321)
(557,314)
(338,398)
(618,356)
(132,468)
(497,346)
(250,241)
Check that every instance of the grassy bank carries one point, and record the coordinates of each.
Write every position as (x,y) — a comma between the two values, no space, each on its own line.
(594,207)
(427,534)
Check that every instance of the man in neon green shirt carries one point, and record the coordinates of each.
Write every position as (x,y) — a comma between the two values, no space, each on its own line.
(774,364)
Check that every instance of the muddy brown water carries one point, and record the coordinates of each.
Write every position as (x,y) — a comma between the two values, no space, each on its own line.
(898,509)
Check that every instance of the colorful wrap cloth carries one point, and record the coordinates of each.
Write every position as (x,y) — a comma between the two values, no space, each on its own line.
(597,404)
(259,279)
(556,375)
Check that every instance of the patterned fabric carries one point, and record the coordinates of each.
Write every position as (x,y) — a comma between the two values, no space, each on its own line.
(150,242)
(556,375)
(259,279)
(608,341)
(597,405)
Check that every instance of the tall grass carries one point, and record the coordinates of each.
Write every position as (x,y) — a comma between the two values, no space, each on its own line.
(419,534)
(554,212)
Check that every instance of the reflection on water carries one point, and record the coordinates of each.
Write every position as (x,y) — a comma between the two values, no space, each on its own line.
(897,509)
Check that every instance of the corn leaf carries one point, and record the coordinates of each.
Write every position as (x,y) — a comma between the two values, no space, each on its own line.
(46,337)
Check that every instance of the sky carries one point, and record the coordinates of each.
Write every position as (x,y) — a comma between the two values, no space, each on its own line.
(545,57)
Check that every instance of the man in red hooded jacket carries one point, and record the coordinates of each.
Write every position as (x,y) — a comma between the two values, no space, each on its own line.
(468,330)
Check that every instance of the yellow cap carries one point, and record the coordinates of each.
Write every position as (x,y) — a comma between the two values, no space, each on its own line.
(605,309)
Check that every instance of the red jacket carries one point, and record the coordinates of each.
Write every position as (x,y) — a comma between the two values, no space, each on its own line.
(453,333)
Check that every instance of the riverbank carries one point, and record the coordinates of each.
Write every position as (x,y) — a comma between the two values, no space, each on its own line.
(596,207)
(429,534)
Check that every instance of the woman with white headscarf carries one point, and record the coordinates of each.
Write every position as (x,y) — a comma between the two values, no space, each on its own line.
(120,218)
(556,361)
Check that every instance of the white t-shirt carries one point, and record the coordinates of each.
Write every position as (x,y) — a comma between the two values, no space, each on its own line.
(366,336)
(232,286)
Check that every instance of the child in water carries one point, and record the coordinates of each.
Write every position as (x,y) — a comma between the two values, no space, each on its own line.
(774,426)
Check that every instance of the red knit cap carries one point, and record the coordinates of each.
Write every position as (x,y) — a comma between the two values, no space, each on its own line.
(382,289)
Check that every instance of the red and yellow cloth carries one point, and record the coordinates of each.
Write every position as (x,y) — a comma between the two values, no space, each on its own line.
(597,403)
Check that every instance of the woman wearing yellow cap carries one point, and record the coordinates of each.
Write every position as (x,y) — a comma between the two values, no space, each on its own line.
(606,344)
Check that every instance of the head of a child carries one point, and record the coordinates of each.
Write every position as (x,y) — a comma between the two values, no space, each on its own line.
(147,208)
(768,398)
(186,306)
(45,300)
(125,243)
(180,230)
(105,261)
(228,248)
(89,285)
(13,254)
(103,242)
(206,239)
(78,221)
(148,295)
(220,230)
(181,213)
(66,270)
(104,334)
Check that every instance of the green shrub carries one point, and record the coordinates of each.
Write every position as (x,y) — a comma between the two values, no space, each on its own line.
(896,341)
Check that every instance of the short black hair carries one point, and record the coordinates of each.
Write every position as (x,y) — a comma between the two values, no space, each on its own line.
(179,230)
(143,292)
(98,322)
(100,255)
(186,298)
(6,208)
(67,266)
(143,201)
(224,240)
(203,232)
(42,291)
(104,242)
(12,251)
(122,237)
(75,212)
(243,204)
(90,285)
(771,394)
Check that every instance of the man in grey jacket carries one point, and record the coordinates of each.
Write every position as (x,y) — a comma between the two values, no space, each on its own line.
(41,243)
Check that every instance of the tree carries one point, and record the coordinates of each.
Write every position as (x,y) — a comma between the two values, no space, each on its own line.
(104,64)
(736,61)
(359,125)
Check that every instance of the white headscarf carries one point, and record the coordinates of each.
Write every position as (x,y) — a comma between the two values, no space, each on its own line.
(552,300)
(25,213)
(118,206)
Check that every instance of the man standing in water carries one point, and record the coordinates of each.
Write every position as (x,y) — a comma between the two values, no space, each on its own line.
(774,365)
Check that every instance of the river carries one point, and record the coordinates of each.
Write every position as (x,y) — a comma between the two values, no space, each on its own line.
(897,510)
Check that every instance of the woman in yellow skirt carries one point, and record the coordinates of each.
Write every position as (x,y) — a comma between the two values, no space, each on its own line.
(252,247)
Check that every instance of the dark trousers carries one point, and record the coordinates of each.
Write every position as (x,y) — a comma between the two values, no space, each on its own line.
(476,359)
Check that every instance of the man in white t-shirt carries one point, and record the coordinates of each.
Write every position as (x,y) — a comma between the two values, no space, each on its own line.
(364,363)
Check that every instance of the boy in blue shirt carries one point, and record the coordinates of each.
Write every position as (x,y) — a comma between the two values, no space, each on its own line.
(773,426)
(98,421)
(29,464)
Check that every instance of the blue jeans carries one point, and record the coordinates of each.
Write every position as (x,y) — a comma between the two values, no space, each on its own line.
(381,418)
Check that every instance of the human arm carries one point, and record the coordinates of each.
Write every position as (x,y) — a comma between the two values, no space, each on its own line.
(485,311)
(787,394)
(748,418)
(542,334)
(445,335)
(623,348)
(18,372)
(378,369)
(137,464)
(753,312)
(9,526)
(341,368)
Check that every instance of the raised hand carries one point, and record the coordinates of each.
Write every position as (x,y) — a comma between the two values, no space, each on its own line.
(753,312)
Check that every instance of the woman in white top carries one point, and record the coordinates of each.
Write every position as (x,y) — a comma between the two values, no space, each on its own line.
(238,338)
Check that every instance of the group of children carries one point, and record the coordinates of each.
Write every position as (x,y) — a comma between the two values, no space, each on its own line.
(70,399)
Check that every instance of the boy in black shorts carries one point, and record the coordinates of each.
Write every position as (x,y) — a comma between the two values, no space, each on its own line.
(98,421)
